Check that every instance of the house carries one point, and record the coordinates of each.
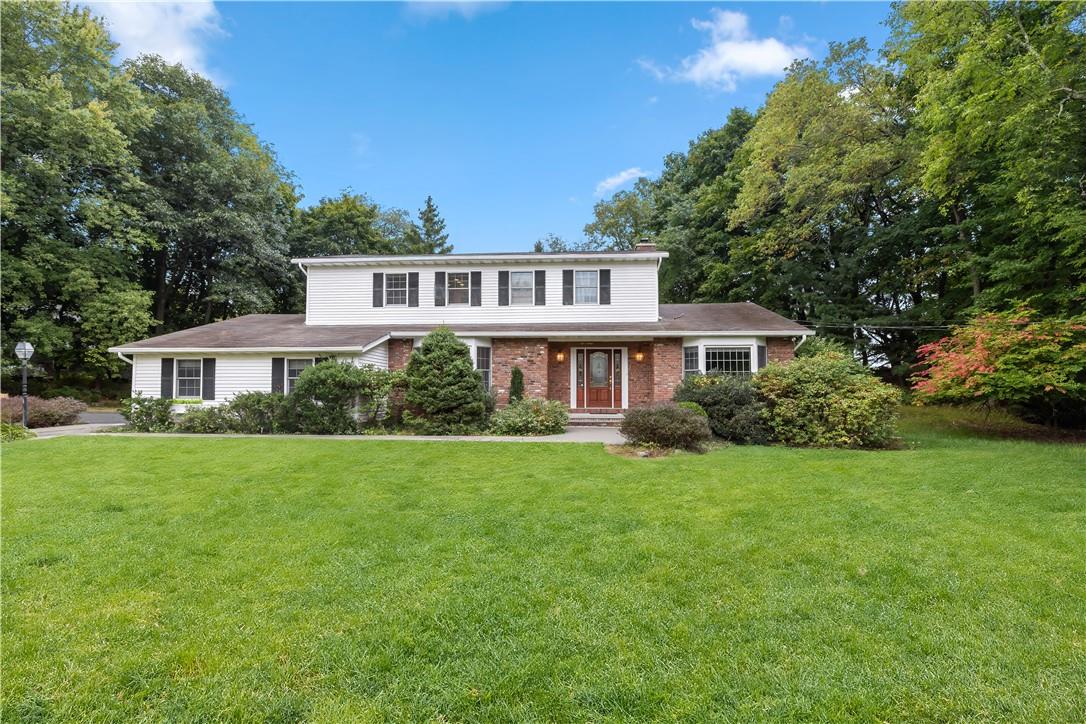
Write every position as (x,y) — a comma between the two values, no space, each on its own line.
(586,328)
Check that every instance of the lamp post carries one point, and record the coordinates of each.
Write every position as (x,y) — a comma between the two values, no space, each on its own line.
(24,351)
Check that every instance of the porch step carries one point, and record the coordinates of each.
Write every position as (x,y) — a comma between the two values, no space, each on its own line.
(596,419)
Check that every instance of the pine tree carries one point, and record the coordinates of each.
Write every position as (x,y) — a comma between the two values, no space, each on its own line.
(432,226)
(444,392)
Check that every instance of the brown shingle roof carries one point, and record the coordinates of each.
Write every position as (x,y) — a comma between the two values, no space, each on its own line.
(289,331)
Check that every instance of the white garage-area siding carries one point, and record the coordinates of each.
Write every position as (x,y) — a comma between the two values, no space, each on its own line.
(236,373)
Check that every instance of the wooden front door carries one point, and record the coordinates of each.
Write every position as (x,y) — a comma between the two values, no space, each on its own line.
(600,373)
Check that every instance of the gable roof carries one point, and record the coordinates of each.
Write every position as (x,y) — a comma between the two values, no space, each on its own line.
(289,332)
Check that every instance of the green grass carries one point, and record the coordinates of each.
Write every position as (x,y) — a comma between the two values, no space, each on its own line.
(282,580)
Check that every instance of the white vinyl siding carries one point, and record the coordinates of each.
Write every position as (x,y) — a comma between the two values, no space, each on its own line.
(376,357)
(344,295)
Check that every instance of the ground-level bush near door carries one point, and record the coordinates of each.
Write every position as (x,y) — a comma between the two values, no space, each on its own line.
(147,414)
(732,405)
(828,400)
(530,417)
(43,412)
(666,425)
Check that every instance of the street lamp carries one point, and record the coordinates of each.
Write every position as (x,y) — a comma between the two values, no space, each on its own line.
(24,351)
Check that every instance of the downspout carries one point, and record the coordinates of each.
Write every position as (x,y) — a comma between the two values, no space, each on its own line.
(802,339)
(126,359)
(306,272)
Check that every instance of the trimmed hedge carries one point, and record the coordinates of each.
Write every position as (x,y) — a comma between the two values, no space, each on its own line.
(732,405)
(666,425)
(147,414)
(530,417)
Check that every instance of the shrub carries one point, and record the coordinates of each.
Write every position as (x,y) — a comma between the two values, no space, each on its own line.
(205,420)
(334,398)
(42,413)
(695,408)
(256,413)
(827,400)
(731,403)
(666,425)
(147,414)
(530,417)
(817,345)
(1036,367)
(76,393)
(444,393)
(10,432)
(516,385)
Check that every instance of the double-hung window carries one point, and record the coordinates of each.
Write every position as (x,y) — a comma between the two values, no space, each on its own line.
(482,365)
(586,287)
(395,290)
(294,371)
(522,287)
(458,288)
(691,361)
(728,360)
(189,378)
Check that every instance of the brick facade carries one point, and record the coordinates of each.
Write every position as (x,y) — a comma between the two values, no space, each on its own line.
(780,349)
(642,376)
(399,351)
(558,372)
(528,354)
(667,367)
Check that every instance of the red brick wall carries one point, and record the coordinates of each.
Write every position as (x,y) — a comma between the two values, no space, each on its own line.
(558,372)
(667,367)
(399,350)
(780,349)
(528,354)
(641,374)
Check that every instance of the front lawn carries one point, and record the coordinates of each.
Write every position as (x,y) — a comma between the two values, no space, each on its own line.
(187,578)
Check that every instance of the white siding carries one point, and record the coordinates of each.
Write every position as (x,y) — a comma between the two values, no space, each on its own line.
(377,357)
(344,295)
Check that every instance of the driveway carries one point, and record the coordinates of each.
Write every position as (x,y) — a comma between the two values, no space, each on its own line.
(101,418)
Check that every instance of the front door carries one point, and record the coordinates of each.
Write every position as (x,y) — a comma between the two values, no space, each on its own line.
(601,377)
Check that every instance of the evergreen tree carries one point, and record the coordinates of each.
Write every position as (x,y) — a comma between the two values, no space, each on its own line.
(432,229)
(516,386)
(444,393)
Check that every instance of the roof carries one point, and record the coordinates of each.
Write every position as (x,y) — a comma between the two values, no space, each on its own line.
(289,332)
(480,258)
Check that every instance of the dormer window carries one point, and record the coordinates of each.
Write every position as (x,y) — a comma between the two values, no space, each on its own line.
(459,288)
(396,290)
(586,287)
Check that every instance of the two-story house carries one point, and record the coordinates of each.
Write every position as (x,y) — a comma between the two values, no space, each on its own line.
(586,329)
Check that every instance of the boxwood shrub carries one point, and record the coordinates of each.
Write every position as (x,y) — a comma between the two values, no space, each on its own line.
(666,425)
(732,405)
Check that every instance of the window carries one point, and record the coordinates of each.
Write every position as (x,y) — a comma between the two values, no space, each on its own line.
(395,290)
(691,363)
(586,287)
(294,371)
(482,364)
(458,288)
(522,287)
(189,376)
(728,360)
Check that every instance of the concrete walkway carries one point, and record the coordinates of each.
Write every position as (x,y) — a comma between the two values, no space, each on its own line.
(605,435)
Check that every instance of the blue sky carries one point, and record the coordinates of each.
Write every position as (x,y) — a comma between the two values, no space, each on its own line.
(516,117)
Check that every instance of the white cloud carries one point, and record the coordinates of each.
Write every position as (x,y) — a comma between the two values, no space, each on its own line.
(622,177)
(439,10)
(178,31)
(733,53)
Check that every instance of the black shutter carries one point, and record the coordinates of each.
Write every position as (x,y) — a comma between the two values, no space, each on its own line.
(503,289)
(762,357)
(279,365)
(540,288)
(166,391)
(439,289)
(567,286)
(476,289)
(208,385)
(412,289)
(605,286)
(378,290)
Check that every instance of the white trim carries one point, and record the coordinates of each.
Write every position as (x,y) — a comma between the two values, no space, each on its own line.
(286,370)
(375,343)
(610,371)
(238,350)
(586,304)
(177,378)
(406,291)
(625,377)
(448,259)
(572,377)
(448,289)
(531,301)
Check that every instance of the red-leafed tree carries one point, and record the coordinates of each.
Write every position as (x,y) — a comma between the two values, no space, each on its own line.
(1034,366)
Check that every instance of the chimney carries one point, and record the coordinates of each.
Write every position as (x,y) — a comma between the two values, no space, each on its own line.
(645,245)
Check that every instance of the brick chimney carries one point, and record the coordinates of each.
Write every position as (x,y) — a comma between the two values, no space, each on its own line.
(645,245)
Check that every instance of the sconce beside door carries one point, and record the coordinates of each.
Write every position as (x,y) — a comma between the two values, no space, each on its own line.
(560,356)
(639,356)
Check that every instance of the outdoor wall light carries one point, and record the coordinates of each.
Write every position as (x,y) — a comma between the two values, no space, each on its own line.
(560,356)
(639,356)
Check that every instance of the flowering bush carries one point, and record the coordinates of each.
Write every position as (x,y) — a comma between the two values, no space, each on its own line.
(42,413)
(827,400)
(530,417)
(1035,366)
